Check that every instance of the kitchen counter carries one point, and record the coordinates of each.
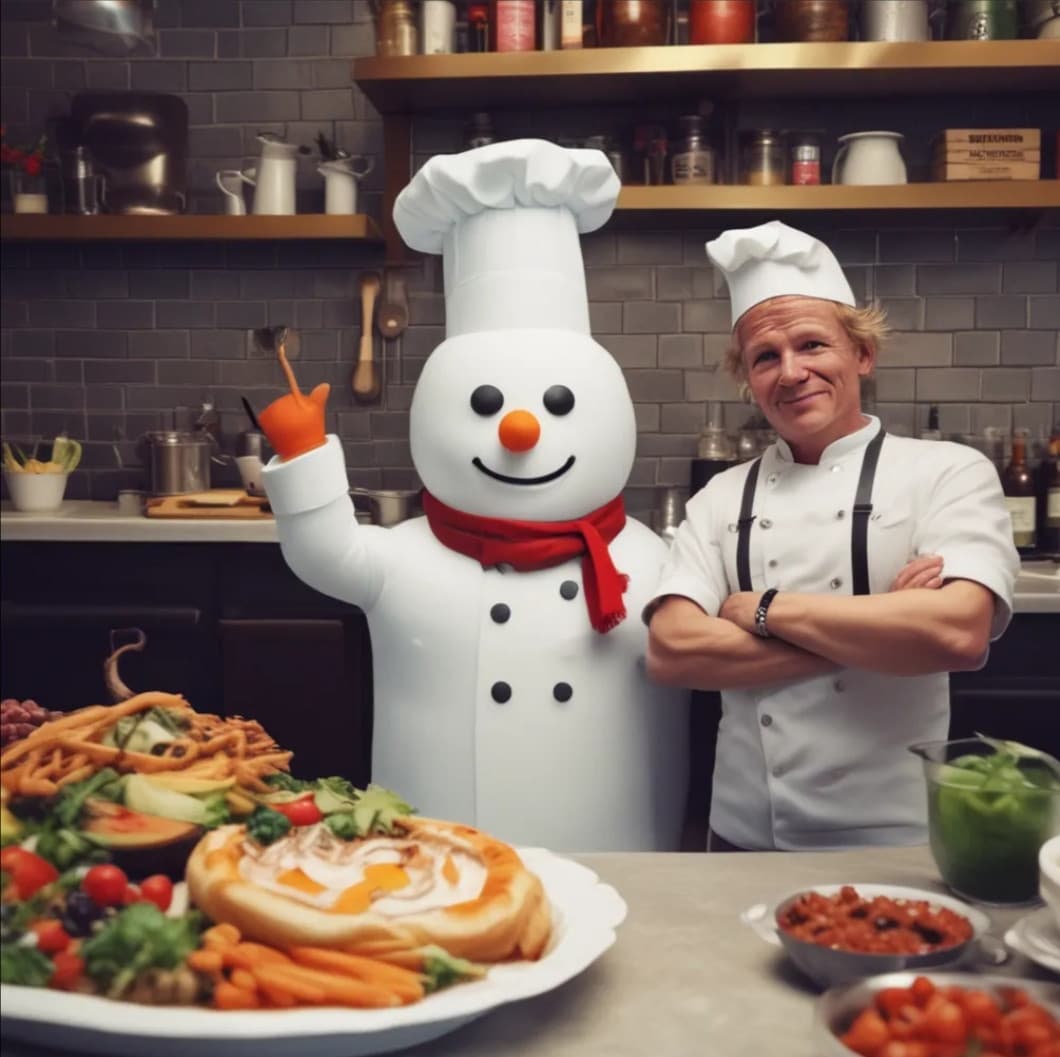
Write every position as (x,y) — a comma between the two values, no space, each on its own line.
(1037,589)
(685,976)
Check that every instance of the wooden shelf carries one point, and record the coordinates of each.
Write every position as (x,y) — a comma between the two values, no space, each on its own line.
(27,227)
(977,194)
(419,83)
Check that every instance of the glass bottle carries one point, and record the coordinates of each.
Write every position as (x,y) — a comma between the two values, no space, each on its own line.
(513,25)
(763,158)
(932,432)
(1049,496)
(478,31)
(1017,482)
(395,32)
(694,162)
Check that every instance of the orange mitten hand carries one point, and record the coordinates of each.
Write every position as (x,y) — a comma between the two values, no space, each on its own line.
(294,423)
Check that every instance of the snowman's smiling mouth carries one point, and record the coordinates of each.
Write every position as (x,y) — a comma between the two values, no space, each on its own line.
(480,465)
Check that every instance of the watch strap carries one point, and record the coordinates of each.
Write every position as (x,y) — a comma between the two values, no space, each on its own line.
(761,628)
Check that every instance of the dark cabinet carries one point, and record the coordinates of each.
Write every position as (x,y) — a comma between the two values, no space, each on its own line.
(227,625)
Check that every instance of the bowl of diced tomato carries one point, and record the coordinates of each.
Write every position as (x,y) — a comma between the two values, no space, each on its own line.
(837,933)
(939,1015)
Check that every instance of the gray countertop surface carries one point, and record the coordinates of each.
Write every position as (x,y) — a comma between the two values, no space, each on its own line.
(685,977)
(1037,590)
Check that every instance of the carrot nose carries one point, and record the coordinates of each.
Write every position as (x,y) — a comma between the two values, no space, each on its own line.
(519,430)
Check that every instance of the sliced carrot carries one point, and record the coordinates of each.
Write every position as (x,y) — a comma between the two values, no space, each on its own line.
(223,935)
(228,996)
(276,996)
(205,960)
(277,976)
(246,955)
(406,984)
(341,990)
(243,979)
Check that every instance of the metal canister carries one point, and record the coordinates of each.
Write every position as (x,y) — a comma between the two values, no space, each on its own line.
(763,158)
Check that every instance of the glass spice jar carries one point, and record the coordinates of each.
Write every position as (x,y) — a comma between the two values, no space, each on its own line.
(762,158)
(805,154)
(632,23)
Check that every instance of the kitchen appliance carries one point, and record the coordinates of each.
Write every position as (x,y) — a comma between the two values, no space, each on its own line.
(273,179)
(139,140)
(869,158)
(178,463)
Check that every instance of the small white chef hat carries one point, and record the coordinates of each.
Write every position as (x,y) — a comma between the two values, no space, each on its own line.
(506,219)
(774,260)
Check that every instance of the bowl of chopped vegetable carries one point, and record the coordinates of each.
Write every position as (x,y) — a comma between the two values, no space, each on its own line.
(936,1015)
(37,484)
(991,806)
(841,932)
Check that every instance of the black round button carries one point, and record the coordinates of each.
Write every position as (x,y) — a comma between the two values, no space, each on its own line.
(568,590)
(562,692)
(500,613)
(501,692)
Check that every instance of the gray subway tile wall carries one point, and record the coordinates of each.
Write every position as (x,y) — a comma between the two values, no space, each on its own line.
(108,341)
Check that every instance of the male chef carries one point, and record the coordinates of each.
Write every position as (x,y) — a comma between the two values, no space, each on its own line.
(828,587)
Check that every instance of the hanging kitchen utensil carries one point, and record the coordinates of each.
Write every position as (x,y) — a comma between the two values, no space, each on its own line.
(367,383)
(392,319)
(249,409)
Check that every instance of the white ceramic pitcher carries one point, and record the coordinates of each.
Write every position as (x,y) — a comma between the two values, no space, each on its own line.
(340,182)
(231,182)
(869,158)
(274,178)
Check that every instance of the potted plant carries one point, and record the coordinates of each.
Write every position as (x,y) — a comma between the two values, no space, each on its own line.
(25,168)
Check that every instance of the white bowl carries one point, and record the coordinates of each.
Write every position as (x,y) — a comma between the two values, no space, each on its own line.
(36,492)
(250,467)
(1049,876)
(827,966)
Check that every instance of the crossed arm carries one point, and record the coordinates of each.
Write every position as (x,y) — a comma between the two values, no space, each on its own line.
(921,625)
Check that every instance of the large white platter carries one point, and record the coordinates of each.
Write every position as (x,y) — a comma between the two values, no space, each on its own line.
(586,913)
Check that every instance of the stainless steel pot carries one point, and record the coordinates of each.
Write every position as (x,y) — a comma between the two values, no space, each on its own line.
(388,508)
(178,463)
(982,20)
(895,20)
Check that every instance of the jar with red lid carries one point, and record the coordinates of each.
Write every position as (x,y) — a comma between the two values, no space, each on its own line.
(804,152)
(632,23)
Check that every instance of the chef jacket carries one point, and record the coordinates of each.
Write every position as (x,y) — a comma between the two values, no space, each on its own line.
(822,762)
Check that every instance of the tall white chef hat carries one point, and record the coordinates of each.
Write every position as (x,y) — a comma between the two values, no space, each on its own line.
(506,219)
(773,260)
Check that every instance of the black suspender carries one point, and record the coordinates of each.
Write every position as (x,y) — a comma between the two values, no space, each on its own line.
(859,532)
(743,543)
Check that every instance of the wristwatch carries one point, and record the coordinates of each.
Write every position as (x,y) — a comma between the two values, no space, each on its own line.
(760,613)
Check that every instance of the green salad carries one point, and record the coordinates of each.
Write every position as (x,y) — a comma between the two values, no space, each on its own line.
(988,816)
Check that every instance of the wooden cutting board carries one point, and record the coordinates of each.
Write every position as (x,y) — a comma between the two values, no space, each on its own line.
(228,503)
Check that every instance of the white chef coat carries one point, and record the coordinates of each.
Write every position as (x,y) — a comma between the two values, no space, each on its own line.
(823,762)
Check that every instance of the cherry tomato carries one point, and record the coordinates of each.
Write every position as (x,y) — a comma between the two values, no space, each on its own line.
(29,873)
(302,812)
(105,885)
(945,1022)
(131,895)
(51,936)
(157,889)
(68,969)
(868,1034)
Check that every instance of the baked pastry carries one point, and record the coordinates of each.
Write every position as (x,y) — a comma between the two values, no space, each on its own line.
(430,882)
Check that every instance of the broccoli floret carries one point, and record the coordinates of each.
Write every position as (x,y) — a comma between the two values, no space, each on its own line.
(264,826)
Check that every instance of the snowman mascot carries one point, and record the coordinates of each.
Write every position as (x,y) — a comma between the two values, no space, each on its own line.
(508,651)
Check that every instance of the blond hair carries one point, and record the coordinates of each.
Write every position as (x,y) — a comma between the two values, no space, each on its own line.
(866,327)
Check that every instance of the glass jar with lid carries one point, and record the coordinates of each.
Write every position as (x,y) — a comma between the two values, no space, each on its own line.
(693,162)
(396,32)
(762,160)
(804,151)
(632,23)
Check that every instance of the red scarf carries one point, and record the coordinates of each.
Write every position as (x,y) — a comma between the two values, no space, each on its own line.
(528,545)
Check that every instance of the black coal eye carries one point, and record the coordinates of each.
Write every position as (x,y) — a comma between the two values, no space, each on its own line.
(558,399)
(487,400)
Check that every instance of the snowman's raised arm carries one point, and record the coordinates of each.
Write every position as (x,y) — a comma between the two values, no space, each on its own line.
(319,535)
(506,219)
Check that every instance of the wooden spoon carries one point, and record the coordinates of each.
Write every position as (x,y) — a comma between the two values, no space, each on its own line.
(366,381)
